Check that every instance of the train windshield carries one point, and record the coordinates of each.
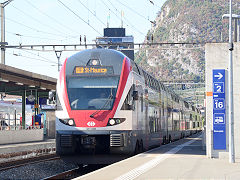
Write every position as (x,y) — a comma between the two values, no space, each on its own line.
(92,93)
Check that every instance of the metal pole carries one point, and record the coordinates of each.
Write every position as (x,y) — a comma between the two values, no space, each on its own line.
(235,29)
(238,30)
(230,92)
(2,34)
(23,109)
(3,43)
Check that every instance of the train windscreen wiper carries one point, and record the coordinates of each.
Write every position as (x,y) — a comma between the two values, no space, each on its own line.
(105,104)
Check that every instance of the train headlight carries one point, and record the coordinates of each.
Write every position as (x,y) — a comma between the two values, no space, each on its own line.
(69,122)
(115,121)
(94,62)
(112,122)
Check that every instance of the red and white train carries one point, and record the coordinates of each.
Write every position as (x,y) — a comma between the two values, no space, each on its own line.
(108,104)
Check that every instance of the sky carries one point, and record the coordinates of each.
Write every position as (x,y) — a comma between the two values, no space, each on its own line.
(34,22)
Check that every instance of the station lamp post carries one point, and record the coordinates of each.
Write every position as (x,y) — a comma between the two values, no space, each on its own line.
(230,90)
(236,19)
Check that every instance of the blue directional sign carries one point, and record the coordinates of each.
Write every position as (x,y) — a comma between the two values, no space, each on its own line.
(219,111)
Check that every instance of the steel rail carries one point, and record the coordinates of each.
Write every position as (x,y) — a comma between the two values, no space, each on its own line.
(18,163)
(63,175)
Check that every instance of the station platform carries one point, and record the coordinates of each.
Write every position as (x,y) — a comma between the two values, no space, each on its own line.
(183,159)
(10,152)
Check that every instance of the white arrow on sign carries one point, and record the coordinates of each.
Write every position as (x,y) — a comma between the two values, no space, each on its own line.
(219,76)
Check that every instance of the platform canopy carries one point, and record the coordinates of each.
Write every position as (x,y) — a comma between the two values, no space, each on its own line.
(14,81)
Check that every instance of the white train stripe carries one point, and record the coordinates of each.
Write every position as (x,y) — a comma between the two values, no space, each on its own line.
(154,162)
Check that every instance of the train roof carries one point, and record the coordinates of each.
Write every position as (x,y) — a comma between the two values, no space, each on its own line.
(107,57)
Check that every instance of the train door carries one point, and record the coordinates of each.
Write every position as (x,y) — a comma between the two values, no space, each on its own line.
(140,108)
(146,125)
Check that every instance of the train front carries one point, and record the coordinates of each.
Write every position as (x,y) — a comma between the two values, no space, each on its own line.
(89,91)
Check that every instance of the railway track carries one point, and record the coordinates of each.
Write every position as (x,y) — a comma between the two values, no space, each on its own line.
(75,172)
(14,164)
(65,175)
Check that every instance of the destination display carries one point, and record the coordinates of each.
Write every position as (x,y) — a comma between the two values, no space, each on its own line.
(219,111)
(93,70)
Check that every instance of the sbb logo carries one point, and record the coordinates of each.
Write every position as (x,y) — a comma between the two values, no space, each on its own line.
(91,123)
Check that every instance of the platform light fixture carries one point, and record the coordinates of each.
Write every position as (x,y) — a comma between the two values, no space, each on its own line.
(18,83)
(4,80)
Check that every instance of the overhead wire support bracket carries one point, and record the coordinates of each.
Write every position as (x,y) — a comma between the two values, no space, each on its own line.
(58,54)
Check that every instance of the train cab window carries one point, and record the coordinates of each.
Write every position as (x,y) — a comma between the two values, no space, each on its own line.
(128,102)
(92,93)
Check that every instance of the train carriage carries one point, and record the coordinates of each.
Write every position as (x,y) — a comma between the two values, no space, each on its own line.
(107,104)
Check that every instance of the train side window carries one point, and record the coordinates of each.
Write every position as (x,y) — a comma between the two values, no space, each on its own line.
(145,77)
(141,102)
(190,117)
(163,108)
(138,69)
(135,68)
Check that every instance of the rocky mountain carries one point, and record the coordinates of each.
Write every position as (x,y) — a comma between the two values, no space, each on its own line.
(184,21)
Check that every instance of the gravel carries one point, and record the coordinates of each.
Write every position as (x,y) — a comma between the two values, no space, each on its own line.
(39,170)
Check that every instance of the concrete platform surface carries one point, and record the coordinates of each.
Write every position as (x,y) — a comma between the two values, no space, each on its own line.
(17,151)
(183,159)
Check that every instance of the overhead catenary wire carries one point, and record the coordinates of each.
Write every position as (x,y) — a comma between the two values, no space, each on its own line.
(110,9)
(132,26)
(36,20)
(19,55)
(154,3)
(35,37)
(92,13)
(79,17)
(131,9)
(50,17)
(27,51)
(39,31)
(23,35)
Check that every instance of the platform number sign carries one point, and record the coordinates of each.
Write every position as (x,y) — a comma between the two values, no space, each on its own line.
(219,104)
(219,111)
